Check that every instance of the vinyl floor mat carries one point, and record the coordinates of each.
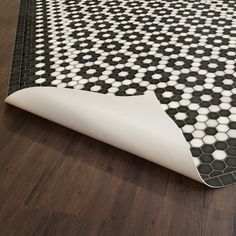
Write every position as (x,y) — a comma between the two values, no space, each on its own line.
(184,51)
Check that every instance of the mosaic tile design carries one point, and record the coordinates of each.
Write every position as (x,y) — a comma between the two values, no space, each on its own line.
(182,50)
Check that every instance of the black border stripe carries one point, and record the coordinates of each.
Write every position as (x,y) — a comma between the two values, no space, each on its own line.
(15,75)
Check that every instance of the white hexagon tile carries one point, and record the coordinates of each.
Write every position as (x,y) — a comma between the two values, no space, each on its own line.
(182,50)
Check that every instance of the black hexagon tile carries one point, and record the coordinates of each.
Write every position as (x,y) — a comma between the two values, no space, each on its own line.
(183,50)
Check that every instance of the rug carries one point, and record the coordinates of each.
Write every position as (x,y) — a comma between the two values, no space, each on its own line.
(182,51)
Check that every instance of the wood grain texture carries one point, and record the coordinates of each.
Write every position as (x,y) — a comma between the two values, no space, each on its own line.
(54,181)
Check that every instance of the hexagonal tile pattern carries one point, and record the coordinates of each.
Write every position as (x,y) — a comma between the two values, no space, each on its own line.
(182,50)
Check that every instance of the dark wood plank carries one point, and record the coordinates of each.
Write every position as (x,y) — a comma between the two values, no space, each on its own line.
(54,181)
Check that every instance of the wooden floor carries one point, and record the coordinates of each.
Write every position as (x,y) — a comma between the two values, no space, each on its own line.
(54,181)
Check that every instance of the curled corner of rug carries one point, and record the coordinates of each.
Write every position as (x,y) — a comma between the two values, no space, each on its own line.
(136,124)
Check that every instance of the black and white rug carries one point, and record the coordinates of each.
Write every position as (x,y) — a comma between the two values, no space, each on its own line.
(182,50)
